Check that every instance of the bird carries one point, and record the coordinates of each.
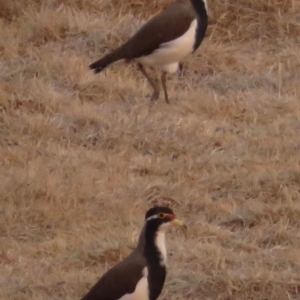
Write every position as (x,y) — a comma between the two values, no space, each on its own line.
(141,275)
(163,41)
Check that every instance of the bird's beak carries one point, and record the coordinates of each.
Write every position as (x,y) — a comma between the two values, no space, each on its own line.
(181,224)
(177,222)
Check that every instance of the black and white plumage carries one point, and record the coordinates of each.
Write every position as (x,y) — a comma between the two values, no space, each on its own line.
(163,41)
(141,275)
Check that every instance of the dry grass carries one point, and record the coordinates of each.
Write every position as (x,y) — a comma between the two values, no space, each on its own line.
(83,156)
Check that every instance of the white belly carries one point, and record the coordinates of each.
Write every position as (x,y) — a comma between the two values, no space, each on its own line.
(141,290)
(169,54)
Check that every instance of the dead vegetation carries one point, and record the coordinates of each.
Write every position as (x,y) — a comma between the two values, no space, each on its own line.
(83,156)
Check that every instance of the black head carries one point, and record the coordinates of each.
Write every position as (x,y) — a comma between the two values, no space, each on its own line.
(160,217)
(160,212)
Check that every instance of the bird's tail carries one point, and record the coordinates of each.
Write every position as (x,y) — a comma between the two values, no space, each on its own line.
(105,61)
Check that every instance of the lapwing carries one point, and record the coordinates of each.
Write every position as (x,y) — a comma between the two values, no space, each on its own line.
(141,275)
(163,41)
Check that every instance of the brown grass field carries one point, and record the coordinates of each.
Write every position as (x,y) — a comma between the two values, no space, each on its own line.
(83,156)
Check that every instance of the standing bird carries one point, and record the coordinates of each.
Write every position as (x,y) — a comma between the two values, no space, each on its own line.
(163,41)
(141,275)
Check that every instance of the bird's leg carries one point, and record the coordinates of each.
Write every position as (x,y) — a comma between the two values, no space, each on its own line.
(164,85)
(155,94)
(180,66)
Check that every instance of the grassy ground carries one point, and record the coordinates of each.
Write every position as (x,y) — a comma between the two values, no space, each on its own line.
(83,156)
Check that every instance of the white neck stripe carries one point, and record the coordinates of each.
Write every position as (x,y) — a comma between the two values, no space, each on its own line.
(160,243)
(205,4)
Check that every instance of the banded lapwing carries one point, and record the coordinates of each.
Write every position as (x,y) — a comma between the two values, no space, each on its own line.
(163,41)
(141,275)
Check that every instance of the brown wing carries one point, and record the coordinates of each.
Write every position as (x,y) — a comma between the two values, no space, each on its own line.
(119,280)
(167,25)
